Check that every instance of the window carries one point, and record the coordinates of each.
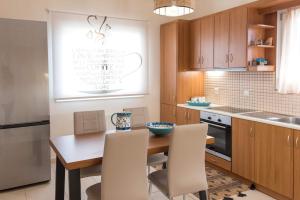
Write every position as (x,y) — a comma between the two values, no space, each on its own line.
(288,51)
(94,56)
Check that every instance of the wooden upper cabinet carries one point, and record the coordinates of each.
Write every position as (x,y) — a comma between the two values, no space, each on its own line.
(168,63)
(183,45)
(221,40)
(243,148)
(238,38)
(207,42)
(297,165)
(274,158)
(195,42)
(174,57)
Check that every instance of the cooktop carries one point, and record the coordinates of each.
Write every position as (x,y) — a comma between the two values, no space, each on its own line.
(231,109)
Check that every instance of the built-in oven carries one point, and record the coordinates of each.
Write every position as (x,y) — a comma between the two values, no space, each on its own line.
(219,127)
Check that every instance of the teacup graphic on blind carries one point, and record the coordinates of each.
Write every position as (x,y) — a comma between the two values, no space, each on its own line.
(106,71)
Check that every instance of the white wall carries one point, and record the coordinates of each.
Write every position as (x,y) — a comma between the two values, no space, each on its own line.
(61,113)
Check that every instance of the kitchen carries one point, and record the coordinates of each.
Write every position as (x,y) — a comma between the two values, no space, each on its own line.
(225,51)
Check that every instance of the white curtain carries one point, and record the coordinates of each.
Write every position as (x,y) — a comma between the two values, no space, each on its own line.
(289,64)
(97,56)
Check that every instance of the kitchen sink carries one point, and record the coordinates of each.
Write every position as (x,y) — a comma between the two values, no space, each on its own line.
(274,117)
(267,115)
(290,120)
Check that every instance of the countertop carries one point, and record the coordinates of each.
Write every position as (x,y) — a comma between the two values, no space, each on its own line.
(240,116)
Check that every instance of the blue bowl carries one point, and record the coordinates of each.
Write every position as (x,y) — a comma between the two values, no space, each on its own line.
(195,103)
(160,128)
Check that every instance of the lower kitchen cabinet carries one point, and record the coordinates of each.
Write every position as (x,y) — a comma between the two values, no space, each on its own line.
(193,116)
(297,165)
(265,154)
(243,148)
(187,116)
(274,158)
(181,118)
(168,113)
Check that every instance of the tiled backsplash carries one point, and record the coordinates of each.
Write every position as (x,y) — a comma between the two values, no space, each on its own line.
(254,90)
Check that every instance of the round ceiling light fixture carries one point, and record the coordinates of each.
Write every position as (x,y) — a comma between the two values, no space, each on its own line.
(173,8)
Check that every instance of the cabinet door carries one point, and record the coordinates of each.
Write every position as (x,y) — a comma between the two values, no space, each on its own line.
(221,41)
(168,113)
(238,38)
(193,116)
(243,148)
(195,42)
(207,42)
(168,63)
(274,158)
(181,116)
(297,166)
(183,45)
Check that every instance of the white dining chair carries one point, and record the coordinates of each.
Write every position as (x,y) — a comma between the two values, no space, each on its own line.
(123,168)
(89,122)
(139,118)
(185,171)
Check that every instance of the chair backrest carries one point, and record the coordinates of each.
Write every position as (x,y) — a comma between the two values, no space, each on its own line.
(124,166)
(139,116)
(186,163)
(89,122)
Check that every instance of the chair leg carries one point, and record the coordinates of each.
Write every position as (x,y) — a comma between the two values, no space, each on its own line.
(150,187)
(202,195)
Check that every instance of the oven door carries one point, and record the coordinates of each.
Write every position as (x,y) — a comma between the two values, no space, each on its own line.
(222,135)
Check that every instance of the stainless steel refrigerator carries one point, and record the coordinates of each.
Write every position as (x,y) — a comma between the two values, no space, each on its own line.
(24,103)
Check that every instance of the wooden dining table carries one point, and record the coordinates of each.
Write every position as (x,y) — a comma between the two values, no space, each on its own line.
(74,152)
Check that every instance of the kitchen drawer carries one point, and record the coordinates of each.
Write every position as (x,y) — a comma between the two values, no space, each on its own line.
(218,161)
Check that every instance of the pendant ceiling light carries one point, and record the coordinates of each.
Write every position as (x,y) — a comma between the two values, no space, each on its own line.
(173,8)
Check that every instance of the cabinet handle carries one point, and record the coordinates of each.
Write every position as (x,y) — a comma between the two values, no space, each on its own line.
(251,132)
(202,60)
(227,58)
(289,140)
(231,58)
(296,144)
(199,60)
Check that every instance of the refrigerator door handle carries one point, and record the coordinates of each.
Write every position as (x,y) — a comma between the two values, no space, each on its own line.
(28,124)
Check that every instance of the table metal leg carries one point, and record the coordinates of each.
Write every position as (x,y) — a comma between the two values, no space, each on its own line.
(74,184)
(59,181)
(165,164)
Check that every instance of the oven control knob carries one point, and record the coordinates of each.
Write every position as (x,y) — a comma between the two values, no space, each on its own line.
(219,120)
(209,118)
